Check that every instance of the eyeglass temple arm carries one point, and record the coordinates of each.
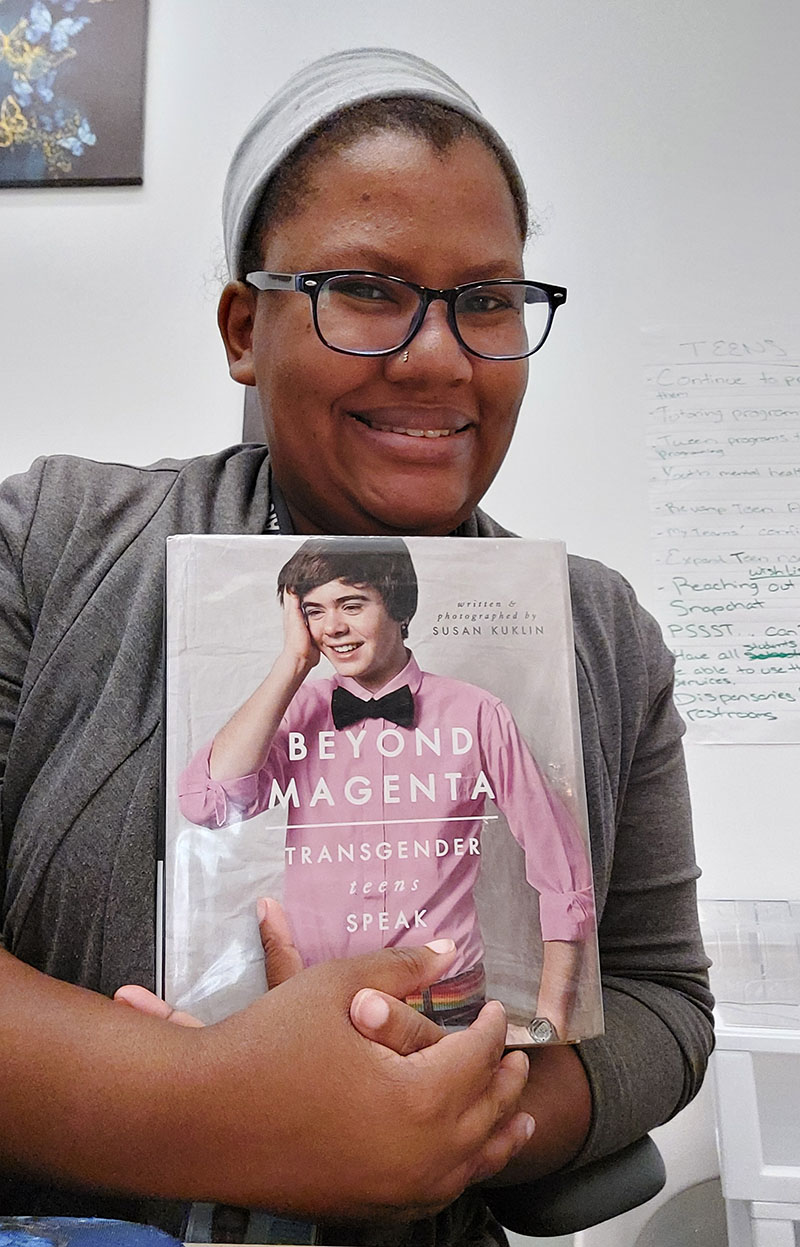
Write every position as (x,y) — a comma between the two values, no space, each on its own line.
(272,281)
(554,295)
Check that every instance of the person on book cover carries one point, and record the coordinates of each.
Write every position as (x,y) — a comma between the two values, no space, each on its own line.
(385,771)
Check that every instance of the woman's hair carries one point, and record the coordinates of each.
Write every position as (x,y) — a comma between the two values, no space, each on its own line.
(379,563)
(442,127)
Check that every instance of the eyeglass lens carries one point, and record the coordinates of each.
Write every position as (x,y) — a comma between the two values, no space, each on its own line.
(365,313)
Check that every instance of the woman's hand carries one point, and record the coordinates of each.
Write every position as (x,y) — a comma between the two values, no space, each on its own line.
(144,1001)
(283,1105)
(287,1106)
(392,1118)
(365,1131)
(375,1015)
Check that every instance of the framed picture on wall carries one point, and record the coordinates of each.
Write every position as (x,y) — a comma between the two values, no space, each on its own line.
(72,92)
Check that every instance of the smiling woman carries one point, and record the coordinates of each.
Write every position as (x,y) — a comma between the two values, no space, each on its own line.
(400,442)
(371,180)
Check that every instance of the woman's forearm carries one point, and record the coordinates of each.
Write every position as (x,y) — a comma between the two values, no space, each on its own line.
(558,1097)
(90,1092)
(100,1096)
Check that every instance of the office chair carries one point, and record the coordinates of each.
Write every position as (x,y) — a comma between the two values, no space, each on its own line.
(564,1203)
(560,1204)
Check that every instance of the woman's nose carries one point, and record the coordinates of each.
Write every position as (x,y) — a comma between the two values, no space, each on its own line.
(434,353)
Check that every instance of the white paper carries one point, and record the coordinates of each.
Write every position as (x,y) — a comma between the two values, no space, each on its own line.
(723,436)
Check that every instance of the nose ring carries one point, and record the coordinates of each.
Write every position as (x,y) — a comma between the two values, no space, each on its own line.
(405,357)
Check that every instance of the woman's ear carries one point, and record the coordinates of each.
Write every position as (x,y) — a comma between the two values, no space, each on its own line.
(235,316)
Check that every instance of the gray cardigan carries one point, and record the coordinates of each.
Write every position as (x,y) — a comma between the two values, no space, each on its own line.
(81,582)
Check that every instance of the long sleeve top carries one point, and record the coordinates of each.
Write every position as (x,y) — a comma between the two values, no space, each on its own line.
(81,587)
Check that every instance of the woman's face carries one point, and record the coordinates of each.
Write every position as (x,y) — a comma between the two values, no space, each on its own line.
(344,431)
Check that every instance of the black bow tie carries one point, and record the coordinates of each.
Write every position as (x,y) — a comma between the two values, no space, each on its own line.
(397,707)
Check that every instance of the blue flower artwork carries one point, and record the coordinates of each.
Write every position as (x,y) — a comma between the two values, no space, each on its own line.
(71,92)
(79,1232)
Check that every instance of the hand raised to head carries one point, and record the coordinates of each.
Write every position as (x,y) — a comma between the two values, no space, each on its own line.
(297,640)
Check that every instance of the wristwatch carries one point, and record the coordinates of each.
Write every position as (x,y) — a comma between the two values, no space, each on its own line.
(542,1030)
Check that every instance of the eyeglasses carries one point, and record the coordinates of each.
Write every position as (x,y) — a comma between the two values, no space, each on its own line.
(362,313)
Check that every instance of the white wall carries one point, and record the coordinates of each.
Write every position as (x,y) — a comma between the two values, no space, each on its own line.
(659,142)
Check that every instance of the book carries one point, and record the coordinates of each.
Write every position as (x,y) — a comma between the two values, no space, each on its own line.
(382,735)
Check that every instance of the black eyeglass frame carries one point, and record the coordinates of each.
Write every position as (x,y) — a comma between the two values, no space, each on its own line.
(312,283)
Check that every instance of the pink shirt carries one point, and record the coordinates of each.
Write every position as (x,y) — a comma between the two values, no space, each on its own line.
(384,823)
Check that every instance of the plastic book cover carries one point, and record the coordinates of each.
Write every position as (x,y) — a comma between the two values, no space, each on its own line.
(382,735)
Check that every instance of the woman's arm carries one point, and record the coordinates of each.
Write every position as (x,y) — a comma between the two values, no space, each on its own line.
(102,1096)
(656,998)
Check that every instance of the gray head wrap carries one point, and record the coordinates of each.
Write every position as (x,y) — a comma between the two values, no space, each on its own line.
(317,91)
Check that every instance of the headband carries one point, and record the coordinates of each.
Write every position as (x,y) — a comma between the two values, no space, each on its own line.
(307,99)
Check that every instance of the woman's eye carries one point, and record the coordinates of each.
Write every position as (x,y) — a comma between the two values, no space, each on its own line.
(482,304)
(364,291)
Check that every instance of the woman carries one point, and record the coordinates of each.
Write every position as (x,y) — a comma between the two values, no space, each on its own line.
(374,162)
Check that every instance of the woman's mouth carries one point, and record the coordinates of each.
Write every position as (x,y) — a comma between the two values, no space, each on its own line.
(455,424)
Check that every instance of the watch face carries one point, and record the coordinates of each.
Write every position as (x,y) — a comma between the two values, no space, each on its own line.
(542,1031)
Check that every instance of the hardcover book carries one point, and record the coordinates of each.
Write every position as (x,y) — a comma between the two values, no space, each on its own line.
(381,735)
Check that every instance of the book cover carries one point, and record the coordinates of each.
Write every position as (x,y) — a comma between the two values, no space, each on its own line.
(382,735)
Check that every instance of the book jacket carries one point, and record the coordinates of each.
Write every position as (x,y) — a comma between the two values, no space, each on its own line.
(381,735)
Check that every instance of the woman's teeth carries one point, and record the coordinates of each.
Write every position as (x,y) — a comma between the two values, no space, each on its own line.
(389,428)
(423,432)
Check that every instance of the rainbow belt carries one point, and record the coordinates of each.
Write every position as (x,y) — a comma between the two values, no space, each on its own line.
(453,1002)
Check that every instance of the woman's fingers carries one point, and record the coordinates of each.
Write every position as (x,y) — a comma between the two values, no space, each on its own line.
(401,971)
(281,958)
(488,1086)
(390,1022)
(466,1066)
(479,1047)
(412,1115)
(504,1144)
(470,1089)
(144,1001)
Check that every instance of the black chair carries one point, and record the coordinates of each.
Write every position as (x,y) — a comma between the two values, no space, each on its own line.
(567,1202)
